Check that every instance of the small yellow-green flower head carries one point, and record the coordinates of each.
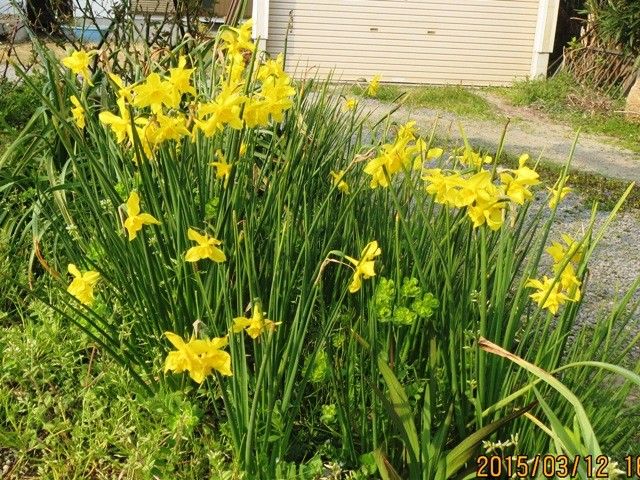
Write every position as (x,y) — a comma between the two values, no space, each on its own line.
(120,125)
(135,219)
(78,63)
(207,248)
(558,251)
(77,112)
(198,357)
(82,284)
(255,325)
(238,40)
(364,268)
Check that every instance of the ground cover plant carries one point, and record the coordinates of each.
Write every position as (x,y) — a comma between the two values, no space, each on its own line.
(245,249)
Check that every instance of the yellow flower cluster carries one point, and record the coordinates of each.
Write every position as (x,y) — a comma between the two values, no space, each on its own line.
(198,357)
(484,200)
(552,293)
(201,357)
(404,153)
(149,112)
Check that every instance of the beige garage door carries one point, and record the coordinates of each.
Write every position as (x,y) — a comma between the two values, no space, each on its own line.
(472,42)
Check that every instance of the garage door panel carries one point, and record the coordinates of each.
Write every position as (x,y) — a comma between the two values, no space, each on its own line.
(412,41)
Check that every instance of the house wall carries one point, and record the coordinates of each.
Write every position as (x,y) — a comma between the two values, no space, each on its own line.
(472,42)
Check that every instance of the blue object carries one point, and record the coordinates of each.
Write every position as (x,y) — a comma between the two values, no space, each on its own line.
(86,33)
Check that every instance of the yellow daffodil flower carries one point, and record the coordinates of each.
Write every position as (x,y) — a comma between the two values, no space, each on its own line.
(407,132)
(470,158)
(569,282)
(374,85)
(272,68)
(78,63)
(82,284)
(238,40)
(207,248)
(350,104)
(444,187)
(155,92)
(235,67)
(365,266)
(224,110)
(135,220)
(124,91)
(478,187)
(120,125)
(277,93)
(490,212)
(557,195)
(255,325)
(243,149)
(170,128)
(180,78)
(517,183)
(558,251)
(198,357)
(546,288)
(339,182)
(223,169)
(391,160)
(256,113)
(77,112)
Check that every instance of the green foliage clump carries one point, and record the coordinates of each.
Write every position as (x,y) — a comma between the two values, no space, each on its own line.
(617,21)
(18,103)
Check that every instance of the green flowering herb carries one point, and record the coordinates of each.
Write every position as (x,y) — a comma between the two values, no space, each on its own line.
(410,288)
(425,307)
(404,316)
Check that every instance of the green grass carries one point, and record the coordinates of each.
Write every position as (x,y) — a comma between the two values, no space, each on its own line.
(449,98)
(562,98)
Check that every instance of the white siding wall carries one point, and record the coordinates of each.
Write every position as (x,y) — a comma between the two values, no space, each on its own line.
(473,42)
